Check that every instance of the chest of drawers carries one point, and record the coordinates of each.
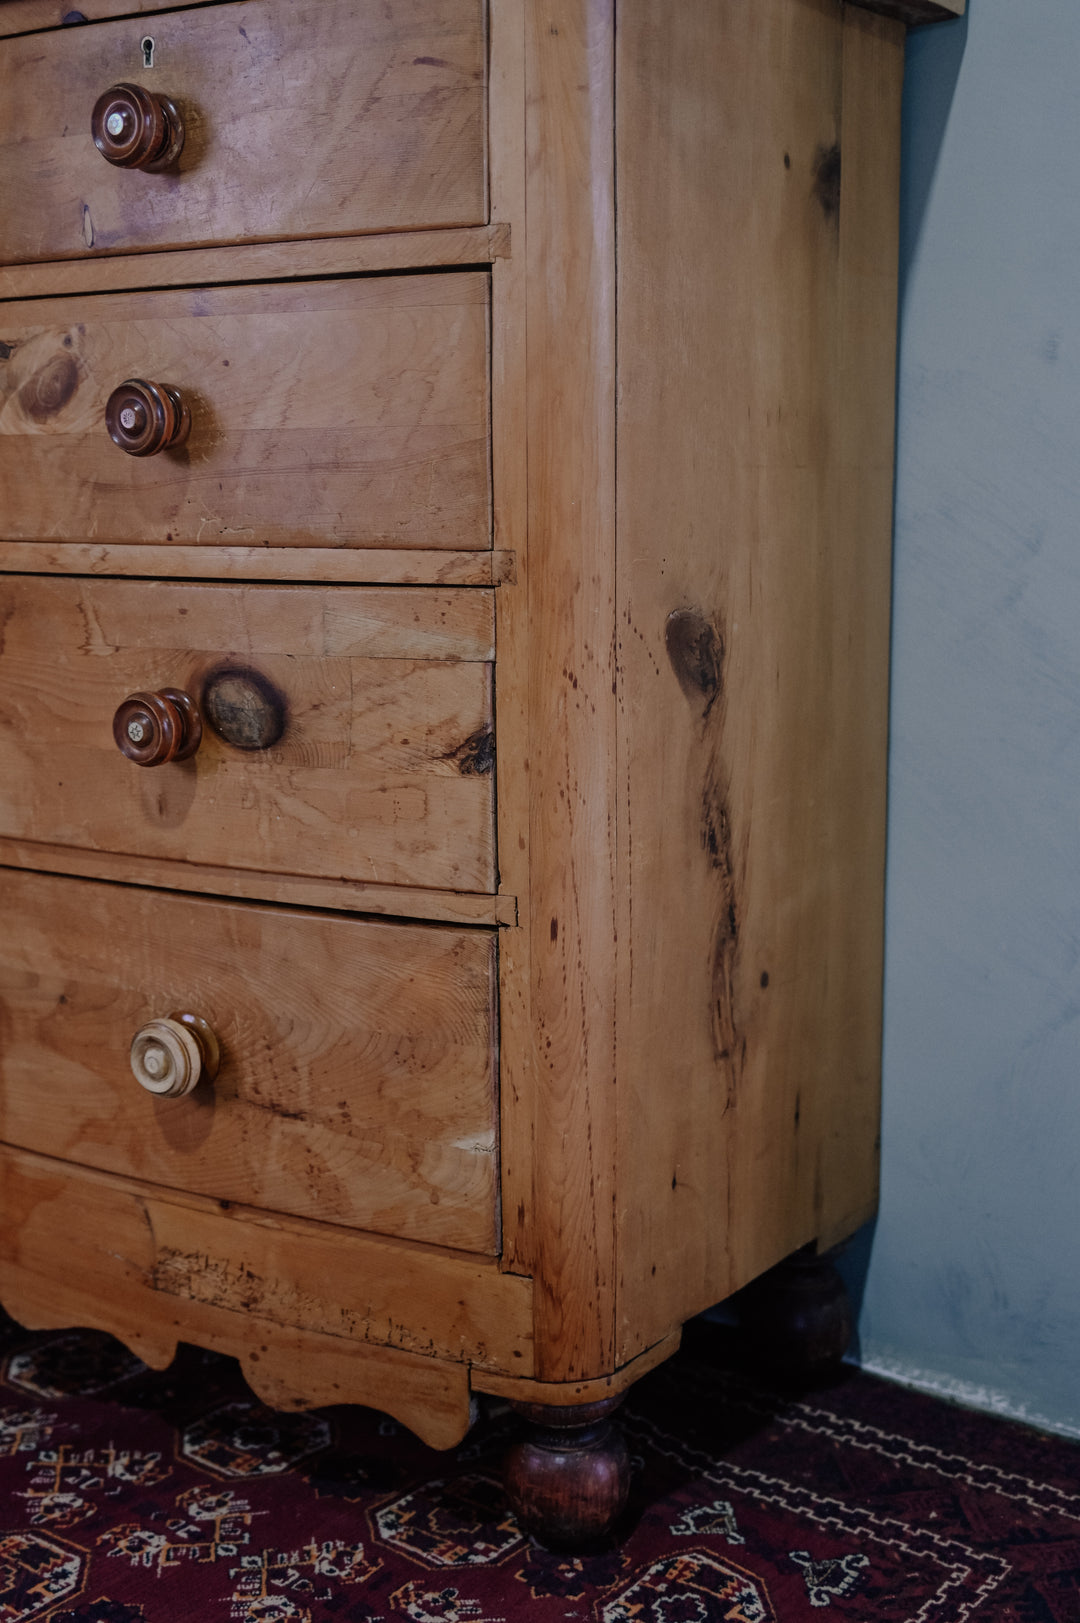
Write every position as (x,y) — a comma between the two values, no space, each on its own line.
(466,700)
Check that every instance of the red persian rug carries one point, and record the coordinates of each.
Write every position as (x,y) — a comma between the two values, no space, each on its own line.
(138,1497)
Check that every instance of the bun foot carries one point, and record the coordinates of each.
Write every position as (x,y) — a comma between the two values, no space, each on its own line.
(798,1315)
(568,1478)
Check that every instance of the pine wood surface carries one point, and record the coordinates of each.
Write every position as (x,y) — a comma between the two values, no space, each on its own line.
(291,131)
(294,1271)
(383,771)
(268,261)
(510,512)
(17,16)
(559,1394)
(858,693)
(26,16)
(323,413)
(356,1082)
(754,543)
(570,426)
(691,640)
(340,565)
(314,1314)
(295,890)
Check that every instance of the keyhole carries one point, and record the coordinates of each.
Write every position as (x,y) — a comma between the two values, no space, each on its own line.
(148,52)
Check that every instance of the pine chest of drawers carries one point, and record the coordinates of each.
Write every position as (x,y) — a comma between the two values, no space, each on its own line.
(445,483)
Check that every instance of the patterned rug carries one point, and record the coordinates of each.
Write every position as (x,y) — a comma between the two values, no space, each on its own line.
(135,1497)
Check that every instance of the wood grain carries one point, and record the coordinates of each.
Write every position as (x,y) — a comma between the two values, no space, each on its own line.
(315,1314)
(19,16)
(343,566)
(356,1082)
(383,772)
(26,16)
(858,696)
(757,255)
(290,131)
(295,890)
(522,1389)
(509,455)
(325,413)
(268,261)
(570,301)
(691,642)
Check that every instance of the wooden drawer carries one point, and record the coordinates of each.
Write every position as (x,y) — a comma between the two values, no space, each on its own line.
(356,1082)
(346,730)
(327,413)
(302,118)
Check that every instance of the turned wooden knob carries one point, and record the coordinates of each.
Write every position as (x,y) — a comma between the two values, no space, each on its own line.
(144,418)
(152,728)
(136,128)
(168,1057)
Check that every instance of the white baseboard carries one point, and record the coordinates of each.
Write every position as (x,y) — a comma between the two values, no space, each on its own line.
(969,1394)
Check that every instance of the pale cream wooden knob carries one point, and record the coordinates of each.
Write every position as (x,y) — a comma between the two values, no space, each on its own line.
(168,1057)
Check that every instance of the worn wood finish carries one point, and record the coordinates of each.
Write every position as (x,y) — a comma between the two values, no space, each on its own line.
(690,634)
(343,566)
(568,1478)
(570,297)
(328,413)
(341,895)
(509,456)
(291,1270)
(753,633)
(356,1081)
(857,697)
(527,1389)
(19,16)
(377,765)
(268,261)
(26,16)
(315,1314)
(303,117)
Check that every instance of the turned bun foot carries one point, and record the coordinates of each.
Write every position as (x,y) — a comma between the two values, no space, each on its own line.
(568,1479)
(798,1315)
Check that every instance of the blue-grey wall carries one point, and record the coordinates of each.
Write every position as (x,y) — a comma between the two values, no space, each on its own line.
(974,1265)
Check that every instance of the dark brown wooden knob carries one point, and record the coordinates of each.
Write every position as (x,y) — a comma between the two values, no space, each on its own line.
(136,128)
(153,728)
(169,1057)
(144,418)
(568,1479)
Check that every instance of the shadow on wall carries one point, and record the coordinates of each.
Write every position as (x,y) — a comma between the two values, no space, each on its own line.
(853,1262)
(935,53)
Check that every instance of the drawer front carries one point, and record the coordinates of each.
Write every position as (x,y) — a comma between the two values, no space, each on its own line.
(346,731)
(322,414)
(301,118)
(356,1082)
